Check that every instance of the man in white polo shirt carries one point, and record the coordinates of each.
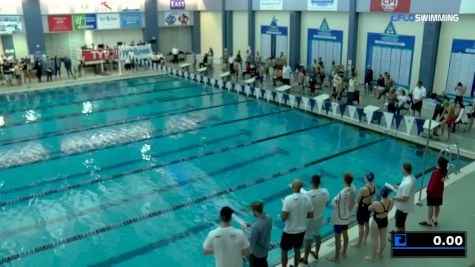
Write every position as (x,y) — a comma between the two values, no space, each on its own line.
(286,72)
(404,200)
(228,244)
(418,96)
(296,209)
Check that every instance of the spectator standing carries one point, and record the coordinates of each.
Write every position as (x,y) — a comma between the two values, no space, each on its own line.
(228,244)
(49,70)
(175,53)
(319,198)
(368,80)
(418,96)
(57,66)
(67,65)
(352,84)
(286,73)
(296,209)
(459,92)
(342,214)
(39,68)
(435,192)
(404,200)
(260,236)
(258,59)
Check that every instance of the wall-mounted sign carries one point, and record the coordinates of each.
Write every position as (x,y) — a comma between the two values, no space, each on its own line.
(177,4)
(274,40)
(467,7)
(176,19)
(399,6)
(462,66)
(271,5)
(98,55)
(105,6)
(108,21)
(58,7)
(60,23)
(138,52)
(85,21)
(326,44)
(330,5)
(131,20)
(8,7)
(10,24)
(130,5)
(84,6)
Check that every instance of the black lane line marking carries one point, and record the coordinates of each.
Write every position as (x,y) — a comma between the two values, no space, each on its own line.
(113,123)
(176,207)
(120,202)
(78,88)
(60,155)
(145,92)
(78,114)
(151,167)
(176,237)
(122,164)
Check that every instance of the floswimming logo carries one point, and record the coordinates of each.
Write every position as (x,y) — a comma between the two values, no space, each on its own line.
(177,4)
(426,17)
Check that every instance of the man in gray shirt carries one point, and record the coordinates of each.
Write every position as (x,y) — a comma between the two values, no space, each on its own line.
(260,236)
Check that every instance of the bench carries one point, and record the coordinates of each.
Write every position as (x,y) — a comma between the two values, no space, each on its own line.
(322,97)
(185,66)
(250,81)
(201,70)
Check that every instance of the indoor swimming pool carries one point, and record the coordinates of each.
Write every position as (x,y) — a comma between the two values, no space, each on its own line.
(134,172)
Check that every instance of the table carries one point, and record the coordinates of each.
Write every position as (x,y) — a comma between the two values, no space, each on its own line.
(185,66)
(225,74)
(200,70)
(250,81)
(322,97)
(371,109)
(283,88)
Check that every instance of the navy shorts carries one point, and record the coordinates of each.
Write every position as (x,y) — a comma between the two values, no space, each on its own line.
(291,241)
(400,219)
(338,229)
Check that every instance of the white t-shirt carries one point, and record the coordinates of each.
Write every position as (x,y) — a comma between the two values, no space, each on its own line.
(227,243)
(406,188)
(175,51)
(319,199)
(286,72)
(419,93)
(344,206)
(298,206)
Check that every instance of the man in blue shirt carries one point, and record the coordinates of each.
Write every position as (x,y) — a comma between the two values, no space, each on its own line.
(260,236)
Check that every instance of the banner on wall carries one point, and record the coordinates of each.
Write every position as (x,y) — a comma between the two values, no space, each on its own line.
(85,21)
(462,66)
(58,7)
(104,6)
(138,51)
(7,7)
(274,40)
(131,20)
(328,5)
(130,5)
(98,55)
(325,44)
(10,24)
(399,6)
(177,4)
(108,21)
(271,4)
(176,19)
(392,53)
(84,6)
(60,23)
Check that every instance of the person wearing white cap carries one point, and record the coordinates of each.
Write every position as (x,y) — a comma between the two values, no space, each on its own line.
(228,244)
(364,199)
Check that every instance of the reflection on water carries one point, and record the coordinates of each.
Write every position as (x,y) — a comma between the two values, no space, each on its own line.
(31,116)
(87,107)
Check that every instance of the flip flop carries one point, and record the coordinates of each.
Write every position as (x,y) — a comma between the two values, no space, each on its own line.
(424,223)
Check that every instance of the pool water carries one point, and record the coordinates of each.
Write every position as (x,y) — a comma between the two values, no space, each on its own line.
(134,172)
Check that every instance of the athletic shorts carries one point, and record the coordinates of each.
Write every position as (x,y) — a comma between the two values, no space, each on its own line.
(362,214)
(291,241)
(338,229)
(434,201)
(257,262)
(313,228)
(417,106)
(400,219)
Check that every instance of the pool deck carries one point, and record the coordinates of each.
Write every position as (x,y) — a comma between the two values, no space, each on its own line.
(455,194)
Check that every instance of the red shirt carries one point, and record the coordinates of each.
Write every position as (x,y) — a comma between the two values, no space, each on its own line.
(436,184)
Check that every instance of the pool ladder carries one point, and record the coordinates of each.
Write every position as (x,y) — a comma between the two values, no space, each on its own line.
(452,154)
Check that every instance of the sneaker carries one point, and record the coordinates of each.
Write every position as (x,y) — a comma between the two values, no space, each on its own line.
(304,262)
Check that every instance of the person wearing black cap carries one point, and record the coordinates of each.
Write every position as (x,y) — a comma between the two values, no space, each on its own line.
(365,197)
(228,244)
(379,225)
(435,192)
